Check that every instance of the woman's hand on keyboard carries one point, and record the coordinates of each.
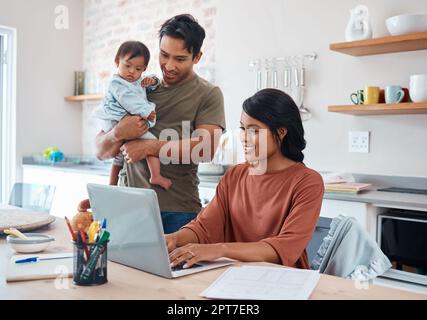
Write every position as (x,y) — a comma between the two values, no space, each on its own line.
(192,253)
(171,241)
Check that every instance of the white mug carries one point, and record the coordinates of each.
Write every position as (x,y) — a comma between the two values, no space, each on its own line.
(418,87)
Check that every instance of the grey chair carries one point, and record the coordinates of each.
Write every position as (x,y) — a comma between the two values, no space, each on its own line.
(30,196)
(320,232)
(348,251)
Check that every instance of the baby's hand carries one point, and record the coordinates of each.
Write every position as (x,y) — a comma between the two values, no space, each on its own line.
(152,116)
(146,82)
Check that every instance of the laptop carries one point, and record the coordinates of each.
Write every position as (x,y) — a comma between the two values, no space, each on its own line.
(137,238)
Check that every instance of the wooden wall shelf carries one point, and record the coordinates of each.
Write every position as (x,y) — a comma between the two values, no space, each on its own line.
(381,109)
(389,44)
(85,97)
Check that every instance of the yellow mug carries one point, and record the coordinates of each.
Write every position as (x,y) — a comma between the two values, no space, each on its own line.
(371,95)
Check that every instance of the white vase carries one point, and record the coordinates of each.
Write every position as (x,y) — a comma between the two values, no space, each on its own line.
(358,27)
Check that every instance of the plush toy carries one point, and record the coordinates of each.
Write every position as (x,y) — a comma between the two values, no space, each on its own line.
(82,221)
(56,156)
(53,154)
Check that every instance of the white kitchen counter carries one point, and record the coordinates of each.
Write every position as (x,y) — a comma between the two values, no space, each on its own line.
(374,197)
(83,169)
(385,199)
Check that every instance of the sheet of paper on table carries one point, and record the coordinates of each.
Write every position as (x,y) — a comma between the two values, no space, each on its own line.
(263,283)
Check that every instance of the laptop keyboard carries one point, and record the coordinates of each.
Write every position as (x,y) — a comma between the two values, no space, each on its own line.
(181,266)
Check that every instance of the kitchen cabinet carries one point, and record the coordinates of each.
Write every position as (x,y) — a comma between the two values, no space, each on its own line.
(70,186)
(206,194)
(389,44)
(207,188)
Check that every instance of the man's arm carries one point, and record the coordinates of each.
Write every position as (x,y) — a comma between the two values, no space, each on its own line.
(177,150)
(108,144)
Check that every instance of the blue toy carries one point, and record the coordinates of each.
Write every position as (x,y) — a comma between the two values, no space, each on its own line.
(53,154)
(56,156)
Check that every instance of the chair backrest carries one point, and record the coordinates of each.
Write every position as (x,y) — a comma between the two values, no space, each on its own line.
(322,229)
(348,251)
(30,196)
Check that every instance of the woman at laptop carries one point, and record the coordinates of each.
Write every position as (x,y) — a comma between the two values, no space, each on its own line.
(265,209)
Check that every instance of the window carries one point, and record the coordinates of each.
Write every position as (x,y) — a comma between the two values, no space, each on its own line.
(7,111)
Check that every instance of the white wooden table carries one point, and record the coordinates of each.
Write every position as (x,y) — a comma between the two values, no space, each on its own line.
(129,283)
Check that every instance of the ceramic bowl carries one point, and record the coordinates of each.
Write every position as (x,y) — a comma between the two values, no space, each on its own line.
(36,242)
(406,23)
(418,95)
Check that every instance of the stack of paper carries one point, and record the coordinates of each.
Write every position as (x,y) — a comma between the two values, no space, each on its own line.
(345,187)
(263,283)
(337,177)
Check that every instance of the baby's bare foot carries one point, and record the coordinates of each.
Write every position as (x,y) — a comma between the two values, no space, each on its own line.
(165,183)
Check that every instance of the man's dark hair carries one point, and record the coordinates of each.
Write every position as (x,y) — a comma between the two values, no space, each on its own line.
(133,49)
(185,27)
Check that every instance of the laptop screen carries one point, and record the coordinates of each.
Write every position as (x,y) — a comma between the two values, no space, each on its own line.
(133,216)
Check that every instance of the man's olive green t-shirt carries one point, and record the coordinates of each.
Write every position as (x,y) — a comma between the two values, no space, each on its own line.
(198,102)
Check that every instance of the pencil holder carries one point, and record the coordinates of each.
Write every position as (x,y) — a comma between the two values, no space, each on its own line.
(90,263)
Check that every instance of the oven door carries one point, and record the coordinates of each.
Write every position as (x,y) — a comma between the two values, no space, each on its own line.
(403,239)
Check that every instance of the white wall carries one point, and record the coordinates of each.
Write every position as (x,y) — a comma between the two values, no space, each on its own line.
(250,29)
(46,60)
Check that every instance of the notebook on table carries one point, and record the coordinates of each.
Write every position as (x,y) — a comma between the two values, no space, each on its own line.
(346,187)
(59,265)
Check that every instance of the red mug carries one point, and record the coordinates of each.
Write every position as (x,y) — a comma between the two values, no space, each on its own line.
(382,96)
(406,96)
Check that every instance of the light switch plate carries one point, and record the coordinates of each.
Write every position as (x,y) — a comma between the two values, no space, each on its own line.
(358,141)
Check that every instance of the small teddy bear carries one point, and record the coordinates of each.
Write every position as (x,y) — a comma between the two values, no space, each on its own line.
(82,221)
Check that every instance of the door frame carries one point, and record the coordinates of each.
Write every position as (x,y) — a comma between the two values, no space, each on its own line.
(8,112)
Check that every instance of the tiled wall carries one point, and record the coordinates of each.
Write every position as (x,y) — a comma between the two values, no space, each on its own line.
(108,23)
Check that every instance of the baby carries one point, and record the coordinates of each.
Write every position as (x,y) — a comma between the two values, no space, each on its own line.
(127,94)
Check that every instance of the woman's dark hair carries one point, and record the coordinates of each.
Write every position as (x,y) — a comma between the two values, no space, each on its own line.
(184,27)
(277,110)
(133,49)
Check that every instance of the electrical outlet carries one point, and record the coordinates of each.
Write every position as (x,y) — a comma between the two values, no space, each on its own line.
(358,141)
